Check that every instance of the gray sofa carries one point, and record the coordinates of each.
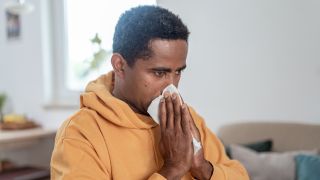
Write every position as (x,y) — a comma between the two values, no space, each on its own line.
(285,136)
(292,155)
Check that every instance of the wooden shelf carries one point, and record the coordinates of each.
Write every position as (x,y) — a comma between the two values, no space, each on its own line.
(18,138)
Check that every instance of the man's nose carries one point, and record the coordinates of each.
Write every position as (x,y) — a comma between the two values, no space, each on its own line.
(172,78)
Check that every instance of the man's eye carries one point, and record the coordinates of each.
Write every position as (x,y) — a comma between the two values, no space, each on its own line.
(179,72)
(160,73)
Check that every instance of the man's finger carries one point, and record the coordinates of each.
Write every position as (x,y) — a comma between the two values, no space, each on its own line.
(177,111)
(162,114)
(185,122)
(194,130)
(169,110)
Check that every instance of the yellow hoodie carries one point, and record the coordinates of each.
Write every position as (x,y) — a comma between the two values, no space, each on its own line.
(105,139)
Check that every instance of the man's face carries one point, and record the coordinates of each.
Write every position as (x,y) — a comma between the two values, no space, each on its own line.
(146,79)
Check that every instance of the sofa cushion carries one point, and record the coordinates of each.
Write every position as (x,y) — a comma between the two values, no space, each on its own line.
(308,167)
(268,165)
(259,146)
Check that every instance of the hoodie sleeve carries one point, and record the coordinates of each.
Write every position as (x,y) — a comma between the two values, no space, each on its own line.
(74,157)
(214,152)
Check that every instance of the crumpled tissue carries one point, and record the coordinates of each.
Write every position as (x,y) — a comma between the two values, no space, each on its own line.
(154,108)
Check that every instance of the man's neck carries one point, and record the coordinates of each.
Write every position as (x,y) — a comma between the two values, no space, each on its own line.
(116,93)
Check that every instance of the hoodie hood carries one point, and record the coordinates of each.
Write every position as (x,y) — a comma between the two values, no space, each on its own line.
(99,98)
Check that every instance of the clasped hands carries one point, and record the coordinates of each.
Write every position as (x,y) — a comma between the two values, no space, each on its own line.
(177,130)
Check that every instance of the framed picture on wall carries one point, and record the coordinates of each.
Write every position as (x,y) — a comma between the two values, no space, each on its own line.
(13,26)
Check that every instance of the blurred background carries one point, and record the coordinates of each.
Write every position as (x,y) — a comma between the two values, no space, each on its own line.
(248,61)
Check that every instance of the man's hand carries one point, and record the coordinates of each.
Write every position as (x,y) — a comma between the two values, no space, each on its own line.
(201,168)
(176,139)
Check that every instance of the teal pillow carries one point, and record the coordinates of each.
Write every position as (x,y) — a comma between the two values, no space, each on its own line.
(307,167)
(260,146)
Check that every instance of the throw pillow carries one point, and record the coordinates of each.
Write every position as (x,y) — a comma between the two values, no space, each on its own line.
(308,167)
(267,165)
(260,146)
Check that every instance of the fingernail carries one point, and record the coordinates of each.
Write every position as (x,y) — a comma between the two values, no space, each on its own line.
(166,95)
(162,100)
(173,96)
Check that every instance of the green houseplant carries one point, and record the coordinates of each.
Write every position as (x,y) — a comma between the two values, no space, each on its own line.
(97,58)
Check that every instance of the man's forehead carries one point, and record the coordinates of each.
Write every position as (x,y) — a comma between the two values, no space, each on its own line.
(169,54)
(157,43)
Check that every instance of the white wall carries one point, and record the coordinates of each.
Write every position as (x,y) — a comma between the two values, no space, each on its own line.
(21,68)
(250,59)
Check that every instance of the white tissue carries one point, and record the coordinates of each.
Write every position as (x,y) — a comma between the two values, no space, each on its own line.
(196,145)
(154,108)
(153,111)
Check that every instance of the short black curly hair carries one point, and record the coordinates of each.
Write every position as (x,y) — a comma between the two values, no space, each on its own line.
(139,25)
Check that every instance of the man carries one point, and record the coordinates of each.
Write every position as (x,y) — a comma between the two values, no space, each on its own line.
(112,136)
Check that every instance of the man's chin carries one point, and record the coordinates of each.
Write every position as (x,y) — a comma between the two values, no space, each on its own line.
(144,112)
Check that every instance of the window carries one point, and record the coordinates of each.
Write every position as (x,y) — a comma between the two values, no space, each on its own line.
(78,27)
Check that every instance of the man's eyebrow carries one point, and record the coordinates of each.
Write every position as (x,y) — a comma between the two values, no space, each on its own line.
(182,68)
(165,69)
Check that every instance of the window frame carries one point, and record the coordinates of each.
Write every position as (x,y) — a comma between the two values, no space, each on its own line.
(56,93)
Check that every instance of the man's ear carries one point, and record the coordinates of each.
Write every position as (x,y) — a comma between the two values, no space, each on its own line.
(118,64)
